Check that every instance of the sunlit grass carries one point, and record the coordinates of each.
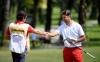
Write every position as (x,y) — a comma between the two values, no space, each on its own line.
(49,55)
(93,32)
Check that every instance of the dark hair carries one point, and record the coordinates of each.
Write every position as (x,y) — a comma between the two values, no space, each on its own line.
(66,12)
(21,14)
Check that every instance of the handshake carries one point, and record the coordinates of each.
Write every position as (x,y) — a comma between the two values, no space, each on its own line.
(51,34)
(46,34)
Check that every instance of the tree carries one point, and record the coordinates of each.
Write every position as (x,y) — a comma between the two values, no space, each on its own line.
(98,5)
(1,9)
(82,15)
(41,15)
(20,5)
(5,15)
(70,4)
(48,17)
(94,12)
(13,6)
(63,5)
(41,10)
(35,8)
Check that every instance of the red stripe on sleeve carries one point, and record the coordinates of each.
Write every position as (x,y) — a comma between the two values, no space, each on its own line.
(30,29)
(8,31)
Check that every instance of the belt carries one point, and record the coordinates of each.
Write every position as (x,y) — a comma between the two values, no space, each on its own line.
(72,47)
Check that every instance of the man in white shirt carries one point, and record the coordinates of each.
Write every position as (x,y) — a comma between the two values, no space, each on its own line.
(73,34)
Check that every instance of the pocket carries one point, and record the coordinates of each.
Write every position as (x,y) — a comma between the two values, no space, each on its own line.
(24,53)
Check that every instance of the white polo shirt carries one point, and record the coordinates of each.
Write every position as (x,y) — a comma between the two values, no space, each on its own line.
(18,34)
(74,31)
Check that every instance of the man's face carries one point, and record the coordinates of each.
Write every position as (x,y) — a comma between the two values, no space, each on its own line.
(24,18)
(65,18)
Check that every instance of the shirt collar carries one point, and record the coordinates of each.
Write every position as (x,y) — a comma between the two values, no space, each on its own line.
(71,24)
(19,22)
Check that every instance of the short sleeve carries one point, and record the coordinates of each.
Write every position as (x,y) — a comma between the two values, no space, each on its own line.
(30,29)
(59,30)
(81,32)
(8,31)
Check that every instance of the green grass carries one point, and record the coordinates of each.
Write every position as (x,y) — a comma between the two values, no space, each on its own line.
(93,31)
(49,55)
(93,35)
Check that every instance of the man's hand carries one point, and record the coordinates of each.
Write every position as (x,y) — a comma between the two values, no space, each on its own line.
(46,35)
(72,42)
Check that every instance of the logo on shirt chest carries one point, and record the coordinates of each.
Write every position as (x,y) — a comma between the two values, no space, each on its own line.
(18,30)
(73,28)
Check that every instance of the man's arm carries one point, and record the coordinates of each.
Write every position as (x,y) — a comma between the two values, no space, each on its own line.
(39,32)
(32,30)
(52,34)
(81,34)
(82,38)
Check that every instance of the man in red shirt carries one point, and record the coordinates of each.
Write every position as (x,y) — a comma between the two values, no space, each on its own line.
(17,32)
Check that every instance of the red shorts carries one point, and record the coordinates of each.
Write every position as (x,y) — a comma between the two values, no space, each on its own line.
(72,54)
